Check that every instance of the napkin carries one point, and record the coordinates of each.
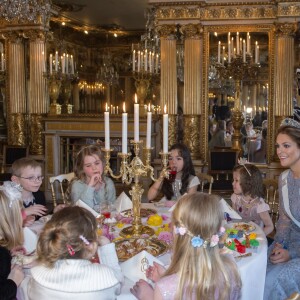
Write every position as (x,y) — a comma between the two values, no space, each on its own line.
(84,205)
(135,267)
(123,202)
(30,240)
(228,209)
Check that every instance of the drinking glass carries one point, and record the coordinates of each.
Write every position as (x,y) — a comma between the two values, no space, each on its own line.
(172,175)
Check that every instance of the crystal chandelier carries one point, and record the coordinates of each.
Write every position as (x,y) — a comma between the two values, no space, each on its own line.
(25,10)
(108,71)
(146,54)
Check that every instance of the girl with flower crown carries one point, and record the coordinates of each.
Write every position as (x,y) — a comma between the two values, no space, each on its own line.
(283,269)
(65,247)
(197,269)
(247,198)
(11,238)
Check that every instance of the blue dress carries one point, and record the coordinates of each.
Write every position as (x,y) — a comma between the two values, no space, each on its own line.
(284,279)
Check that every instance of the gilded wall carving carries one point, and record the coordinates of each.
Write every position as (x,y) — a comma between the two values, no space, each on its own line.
(17,130)
(166,31)
(192,31)
(191,133)
(36,137)
(285,29)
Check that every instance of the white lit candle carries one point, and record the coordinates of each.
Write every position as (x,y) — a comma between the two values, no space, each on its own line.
(2,61)
(237,44)
(72,65)
(229,52)
(244,51)
(248,43)
(106,127)
(139,61)
(149,120)
(63,61)
(156,64)
(67,64)
(165,130)
(133,61)
(50,63)
(256,52)
(136,119)
(219,52)
(223,55)
(56,61)
(124,130)
(146,60)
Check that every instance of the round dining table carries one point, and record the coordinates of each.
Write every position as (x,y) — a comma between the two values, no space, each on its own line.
(252,268)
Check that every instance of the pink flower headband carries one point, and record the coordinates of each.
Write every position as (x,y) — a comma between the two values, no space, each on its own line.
(197,241)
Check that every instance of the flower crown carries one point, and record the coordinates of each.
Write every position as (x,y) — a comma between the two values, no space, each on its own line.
(290,122)
(197,241)
(12,190)
(243,162)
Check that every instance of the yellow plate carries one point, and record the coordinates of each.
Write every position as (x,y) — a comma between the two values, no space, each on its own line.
(127,248)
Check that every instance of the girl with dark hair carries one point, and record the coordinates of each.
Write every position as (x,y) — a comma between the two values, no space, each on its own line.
(185,181)
(247,198)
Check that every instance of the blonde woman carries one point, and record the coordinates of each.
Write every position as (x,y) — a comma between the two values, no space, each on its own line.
(11,238)
(197,270)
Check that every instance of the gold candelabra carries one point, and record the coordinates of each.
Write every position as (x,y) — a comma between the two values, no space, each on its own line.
(132,172)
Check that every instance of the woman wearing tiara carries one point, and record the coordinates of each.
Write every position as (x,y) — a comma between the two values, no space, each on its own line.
(283,271)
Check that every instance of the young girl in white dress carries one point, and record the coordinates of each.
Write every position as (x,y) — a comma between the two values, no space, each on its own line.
(247,198)
(65,248)
(185,181)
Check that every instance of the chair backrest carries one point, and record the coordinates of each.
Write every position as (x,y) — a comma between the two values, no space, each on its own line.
(222,160)
(205,179)
(12,153)
(271,197)
(62,178)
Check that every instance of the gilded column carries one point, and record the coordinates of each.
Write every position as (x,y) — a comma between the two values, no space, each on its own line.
(284,68)
(192,88)
(38,99)
(17,91)
(168,94)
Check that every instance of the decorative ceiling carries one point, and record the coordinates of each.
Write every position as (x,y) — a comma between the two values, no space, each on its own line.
(95,22)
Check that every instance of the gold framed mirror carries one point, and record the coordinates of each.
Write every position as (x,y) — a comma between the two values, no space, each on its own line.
(239,74)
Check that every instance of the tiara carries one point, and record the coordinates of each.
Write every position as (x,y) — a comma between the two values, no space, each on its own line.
(243,162)
(290,122)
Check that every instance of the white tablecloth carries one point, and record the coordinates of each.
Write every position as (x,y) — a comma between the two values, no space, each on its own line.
(252,270)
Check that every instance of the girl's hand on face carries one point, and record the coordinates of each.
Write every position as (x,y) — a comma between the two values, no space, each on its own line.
(94,180)
(155,272)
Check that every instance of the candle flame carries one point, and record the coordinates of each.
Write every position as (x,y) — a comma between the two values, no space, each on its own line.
(165,108)
(106,108)
(135,98)
(124,108)
(149,107)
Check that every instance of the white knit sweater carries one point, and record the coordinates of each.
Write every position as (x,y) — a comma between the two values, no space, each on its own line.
(78,278)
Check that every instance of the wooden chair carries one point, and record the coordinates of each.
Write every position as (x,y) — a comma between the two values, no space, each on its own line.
(205,180)
(12,153)
(62,179)
(220,165)
(271,197)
